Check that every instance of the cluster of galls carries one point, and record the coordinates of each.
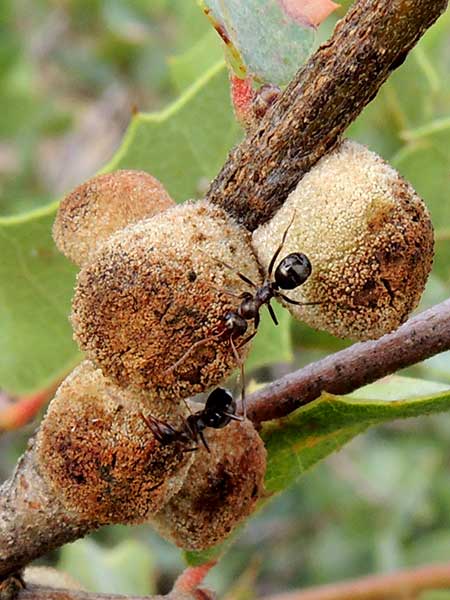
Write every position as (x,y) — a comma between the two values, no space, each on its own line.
(156,283)
(150,285)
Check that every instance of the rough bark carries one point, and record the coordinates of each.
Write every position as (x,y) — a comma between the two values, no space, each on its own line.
(32,520)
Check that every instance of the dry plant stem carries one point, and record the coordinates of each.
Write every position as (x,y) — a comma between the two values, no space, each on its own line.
(186,587)
(403,584)
(340,79)
(32,521)
(41,593)
(419,338)
(45,593)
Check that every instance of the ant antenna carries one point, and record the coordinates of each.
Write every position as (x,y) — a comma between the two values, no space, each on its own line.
(241,276)
(240,362)
(280,247)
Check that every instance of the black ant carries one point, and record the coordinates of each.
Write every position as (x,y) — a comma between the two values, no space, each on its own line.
(219,410)
(292,271)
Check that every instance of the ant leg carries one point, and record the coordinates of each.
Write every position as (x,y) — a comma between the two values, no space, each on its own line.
(280,247)
(202,437)
(229,293)
(290,301)
(272,313)
(189,352)
(233,417)
(244,278)
(155,426)
(316,303)
(241,366)
(187,406)
(247,339)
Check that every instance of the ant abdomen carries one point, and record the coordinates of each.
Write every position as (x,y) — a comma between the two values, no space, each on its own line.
(220,409)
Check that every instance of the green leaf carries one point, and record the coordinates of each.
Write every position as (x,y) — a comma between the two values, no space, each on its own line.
(313,432)
(35,335)
(273,344)
(270,40)
(425,162)
(126,569)
(183,146)
(186,68)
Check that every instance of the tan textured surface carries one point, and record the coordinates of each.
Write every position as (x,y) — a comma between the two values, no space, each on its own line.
(106,203)
(368,236)
(153,290)
(220,491)
(98,455)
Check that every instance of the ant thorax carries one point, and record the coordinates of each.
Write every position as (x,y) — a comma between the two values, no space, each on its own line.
(249,307)
(265,293)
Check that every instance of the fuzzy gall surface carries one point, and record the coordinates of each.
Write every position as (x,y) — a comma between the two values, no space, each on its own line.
(155,289)
(100,458)
(222,489)
(106,203)
(368,236)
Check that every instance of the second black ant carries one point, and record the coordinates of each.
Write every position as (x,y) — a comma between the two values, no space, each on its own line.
(219,410)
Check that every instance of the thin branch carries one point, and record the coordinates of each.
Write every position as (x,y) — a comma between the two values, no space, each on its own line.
(407,583)
(186,587)
(34,592)
(45,593)
(340,79)
(402,584)
(419,338)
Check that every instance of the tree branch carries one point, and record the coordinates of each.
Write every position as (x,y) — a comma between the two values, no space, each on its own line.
(340,79)
(419,338)
(403,584)
(45,593)
(35,592)
(32,520)
(186,587)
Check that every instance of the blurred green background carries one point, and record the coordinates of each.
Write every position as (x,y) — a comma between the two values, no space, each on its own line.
(72,72)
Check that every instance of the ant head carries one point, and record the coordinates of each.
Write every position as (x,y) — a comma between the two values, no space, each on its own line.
(292,271)
(219,402)
(235,324)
